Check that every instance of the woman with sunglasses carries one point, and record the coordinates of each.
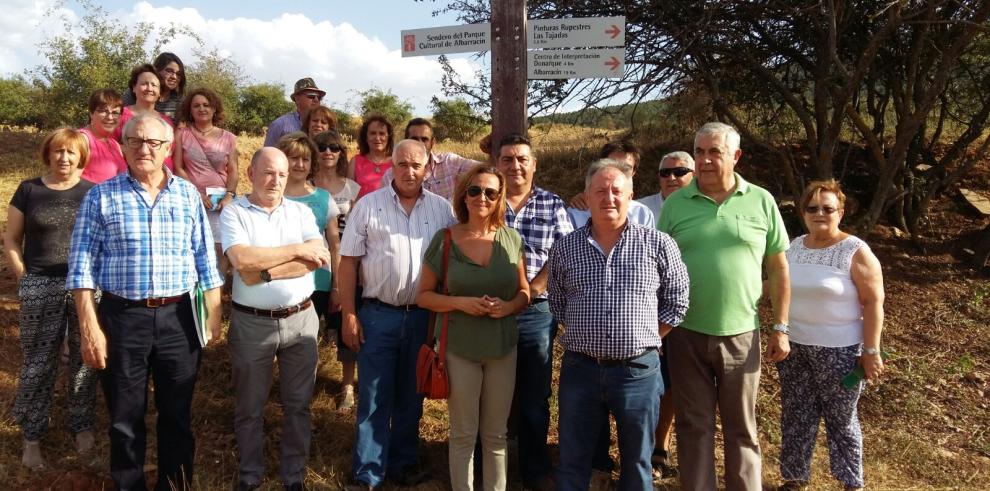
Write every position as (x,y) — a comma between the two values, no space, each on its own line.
(206,155)
(173,75)
(145,85)
(374,156)
(331,174)
(836,316)
(485,287)
(106,158)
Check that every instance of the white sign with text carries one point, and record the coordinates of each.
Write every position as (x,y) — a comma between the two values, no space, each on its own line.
(576,63)
(590,32)
(466,38)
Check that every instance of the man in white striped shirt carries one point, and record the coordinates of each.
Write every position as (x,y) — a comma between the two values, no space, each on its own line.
(387,232)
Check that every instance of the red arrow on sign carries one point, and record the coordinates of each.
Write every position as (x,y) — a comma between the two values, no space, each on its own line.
(614,31)
(614,63)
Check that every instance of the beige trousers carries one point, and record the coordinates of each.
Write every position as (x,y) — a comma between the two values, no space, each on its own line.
(710,372)
(480,399)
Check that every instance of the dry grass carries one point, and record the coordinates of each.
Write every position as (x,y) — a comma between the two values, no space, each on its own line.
(926,425)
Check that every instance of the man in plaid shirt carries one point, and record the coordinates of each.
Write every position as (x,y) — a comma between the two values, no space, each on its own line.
(617,288)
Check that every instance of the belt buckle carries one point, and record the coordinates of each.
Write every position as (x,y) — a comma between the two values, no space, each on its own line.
(154,303)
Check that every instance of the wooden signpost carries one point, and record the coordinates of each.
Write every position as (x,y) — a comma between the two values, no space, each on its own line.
(525,49)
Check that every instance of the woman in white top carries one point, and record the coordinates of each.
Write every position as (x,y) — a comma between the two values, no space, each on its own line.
(836,316)
(331,174)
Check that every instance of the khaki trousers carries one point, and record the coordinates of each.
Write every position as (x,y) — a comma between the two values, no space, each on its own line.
(712,372)
(480,399)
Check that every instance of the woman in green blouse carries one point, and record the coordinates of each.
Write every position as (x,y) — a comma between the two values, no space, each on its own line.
(486,281)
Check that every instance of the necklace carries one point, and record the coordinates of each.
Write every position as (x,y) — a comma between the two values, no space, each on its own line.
(203,132)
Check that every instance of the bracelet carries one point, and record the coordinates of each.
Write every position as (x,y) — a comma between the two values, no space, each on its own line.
(781,327)
(871,351)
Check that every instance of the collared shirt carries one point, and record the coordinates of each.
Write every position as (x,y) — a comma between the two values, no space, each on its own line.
(637,213)
(724,246)
(443,173)
(134,248)
(283,125)
(291,222)
(654,202)
(612,305)
(541,221)
(390,243)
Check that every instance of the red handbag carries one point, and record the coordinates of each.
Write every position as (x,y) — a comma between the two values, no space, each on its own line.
(431,366)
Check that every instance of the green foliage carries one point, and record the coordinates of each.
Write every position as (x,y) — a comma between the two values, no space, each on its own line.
(454,119)
(376,100)
(257,106)
(19,103)
(347,124)
(101,56)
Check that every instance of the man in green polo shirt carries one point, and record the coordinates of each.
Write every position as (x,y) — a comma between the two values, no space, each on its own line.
(727,230)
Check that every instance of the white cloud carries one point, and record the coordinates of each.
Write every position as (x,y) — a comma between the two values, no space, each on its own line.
(23,26)
(283,49)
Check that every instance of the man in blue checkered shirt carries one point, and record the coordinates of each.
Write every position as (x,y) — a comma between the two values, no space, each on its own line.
(143,239)
(617,288)
(541,219)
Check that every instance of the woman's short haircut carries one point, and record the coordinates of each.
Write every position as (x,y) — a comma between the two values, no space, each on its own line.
(65,138)
(137,71)
(332,137)
(162,61)
(185,110)
(298,143)
(363,147)
(321,112)
(497,218)
(104,98)
(814,188)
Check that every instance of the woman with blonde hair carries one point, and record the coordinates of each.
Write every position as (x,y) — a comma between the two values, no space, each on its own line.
(40,219)
(484,288)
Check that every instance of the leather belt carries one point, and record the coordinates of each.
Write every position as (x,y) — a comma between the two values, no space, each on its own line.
(409,307)
(611,362)
(151,303)
(274,314)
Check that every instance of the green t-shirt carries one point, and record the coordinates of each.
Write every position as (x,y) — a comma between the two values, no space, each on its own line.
(480,338)
(319,202)
(723,247)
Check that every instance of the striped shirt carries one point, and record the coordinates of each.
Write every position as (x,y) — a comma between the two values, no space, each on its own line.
(283,125)
(442,173)
(541,221)
(126,245)
(391,244)
(612,305)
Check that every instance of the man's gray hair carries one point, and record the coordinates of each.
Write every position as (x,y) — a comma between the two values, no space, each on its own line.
(169,133)
(678,155)
(730,137)
(602,164)
(409,141)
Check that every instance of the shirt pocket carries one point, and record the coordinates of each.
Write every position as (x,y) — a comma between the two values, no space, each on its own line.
(751,230)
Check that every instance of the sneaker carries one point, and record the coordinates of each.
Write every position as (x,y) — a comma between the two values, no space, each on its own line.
(346,399)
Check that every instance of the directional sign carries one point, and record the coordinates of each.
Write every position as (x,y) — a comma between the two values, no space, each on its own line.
(591,32)
(448,39)
(576,63)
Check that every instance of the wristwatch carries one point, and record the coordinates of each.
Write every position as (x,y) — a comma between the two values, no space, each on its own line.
(265,275)
(781,327)
(871,351)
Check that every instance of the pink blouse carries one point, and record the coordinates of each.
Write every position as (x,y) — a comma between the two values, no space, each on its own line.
(368,174)
(105,158)
(205,160)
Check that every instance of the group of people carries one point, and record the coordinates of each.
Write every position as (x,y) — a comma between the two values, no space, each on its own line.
(122,247)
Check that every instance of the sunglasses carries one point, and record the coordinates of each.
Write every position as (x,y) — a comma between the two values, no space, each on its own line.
(813,210)
(490,193)
(312,96)
(675,171)
(333,147)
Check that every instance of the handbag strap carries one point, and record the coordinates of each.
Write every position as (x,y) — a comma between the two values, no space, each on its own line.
(431,337)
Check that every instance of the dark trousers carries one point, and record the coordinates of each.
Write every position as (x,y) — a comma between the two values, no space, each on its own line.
(160,343)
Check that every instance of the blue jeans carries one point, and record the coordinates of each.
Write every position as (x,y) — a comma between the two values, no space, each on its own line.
(534,369)
(588,392)
(389,408)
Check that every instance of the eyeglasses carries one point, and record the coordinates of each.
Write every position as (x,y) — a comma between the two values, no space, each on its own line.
(490,193)
(106,113)
(137,143)
(423,139)
(313,96)
(825,210)
(169,71)
(675,171)
(333,147)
